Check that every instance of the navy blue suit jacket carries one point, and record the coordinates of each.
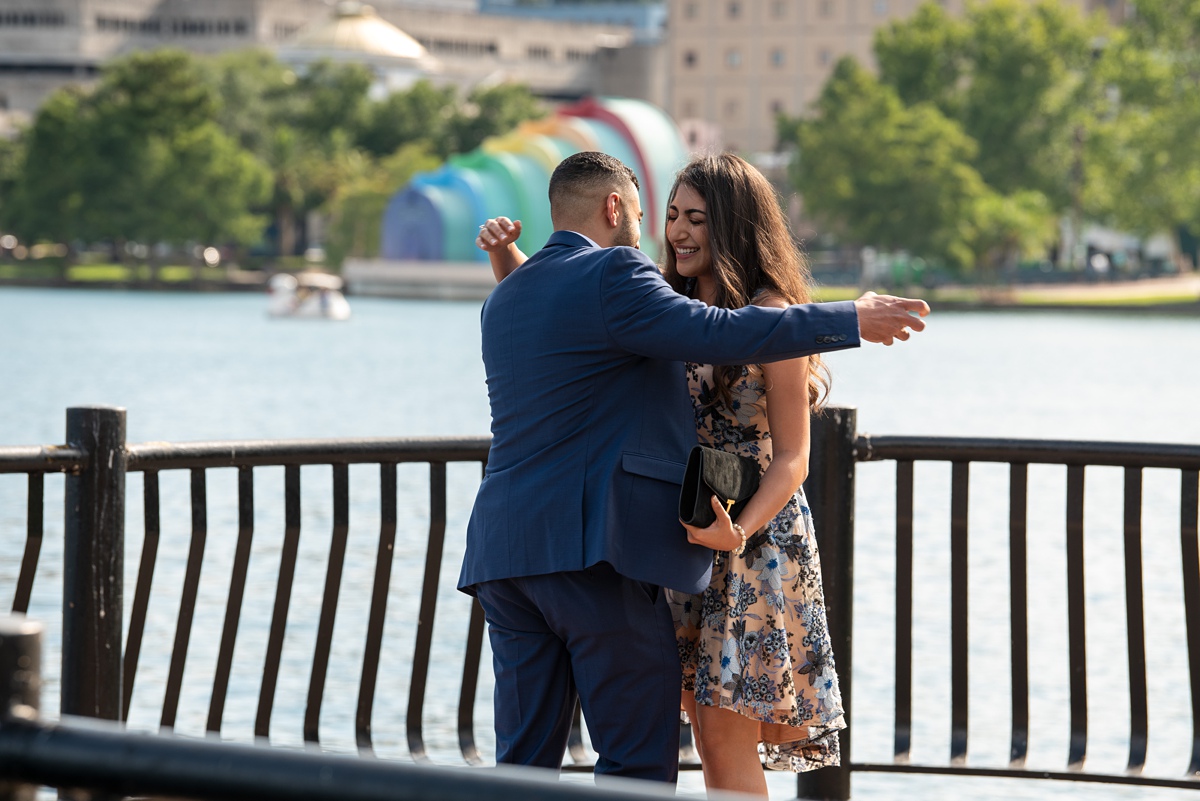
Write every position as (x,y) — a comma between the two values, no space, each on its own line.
(591,418)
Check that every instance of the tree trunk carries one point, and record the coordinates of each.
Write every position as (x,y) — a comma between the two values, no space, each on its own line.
(285,225)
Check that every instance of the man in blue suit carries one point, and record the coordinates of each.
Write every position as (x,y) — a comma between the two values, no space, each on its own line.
(575,526)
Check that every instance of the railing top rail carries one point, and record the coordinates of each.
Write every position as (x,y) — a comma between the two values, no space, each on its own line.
(41,459)
(255,453)
(1028,451)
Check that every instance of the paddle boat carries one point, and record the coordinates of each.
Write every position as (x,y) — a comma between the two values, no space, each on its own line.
(308,295)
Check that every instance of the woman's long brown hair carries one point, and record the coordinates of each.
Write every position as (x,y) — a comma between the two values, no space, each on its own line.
(752,251)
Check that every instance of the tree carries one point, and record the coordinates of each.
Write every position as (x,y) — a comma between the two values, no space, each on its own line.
(885,174)
(1145,158)
(419,115)
(1021,79)
(140,157)
(301,126)
(489,111)
(356,209)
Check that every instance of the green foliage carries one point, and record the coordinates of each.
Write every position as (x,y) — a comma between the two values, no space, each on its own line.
(437,118)
(981,131)
(141,157)
(11,156)
(1144,163)
(1019,78)
(356,211)
(488,111)
(894,176)
(173,148)
(1008,227)
(418,115)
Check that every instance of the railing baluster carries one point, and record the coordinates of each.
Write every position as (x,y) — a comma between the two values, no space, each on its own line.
(187,604)
(470,682)
(904,609)
(34,528)
(378,614)
(425,619)
(283,597)
(1076,631)
(93,577)
(233,605)
(1018,504)
(959,494)
(1189,516)
(466,698)
(141,594)
(333,583)
(1135,621)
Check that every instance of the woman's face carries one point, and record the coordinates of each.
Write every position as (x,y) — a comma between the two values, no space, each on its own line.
(687,233)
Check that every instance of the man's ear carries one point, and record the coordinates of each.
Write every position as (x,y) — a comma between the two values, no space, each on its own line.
(612,209)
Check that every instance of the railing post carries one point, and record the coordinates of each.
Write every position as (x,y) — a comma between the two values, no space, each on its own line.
(830,492)
(94,564)
(20,685)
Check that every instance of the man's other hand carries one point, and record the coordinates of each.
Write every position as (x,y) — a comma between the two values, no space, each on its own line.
(883,318)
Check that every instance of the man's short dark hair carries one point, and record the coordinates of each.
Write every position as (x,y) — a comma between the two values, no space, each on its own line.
(587,170)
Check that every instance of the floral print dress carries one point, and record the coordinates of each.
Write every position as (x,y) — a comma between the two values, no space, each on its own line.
(756,640)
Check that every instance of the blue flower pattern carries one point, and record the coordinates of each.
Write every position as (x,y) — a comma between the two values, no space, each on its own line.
(756,641)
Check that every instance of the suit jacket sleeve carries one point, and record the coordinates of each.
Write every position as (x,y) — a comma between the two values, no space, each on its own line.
(644,315)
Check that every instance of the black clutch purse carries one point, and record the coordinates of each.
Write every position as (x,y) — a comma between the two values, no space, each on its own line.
(732,478)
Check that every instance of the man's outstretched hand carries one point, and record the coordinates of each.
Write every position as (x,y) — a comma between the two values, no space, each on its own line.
(883,318)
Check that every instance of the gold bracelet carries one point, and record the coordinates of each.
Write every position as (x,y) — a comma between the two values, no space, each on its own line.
(738,550)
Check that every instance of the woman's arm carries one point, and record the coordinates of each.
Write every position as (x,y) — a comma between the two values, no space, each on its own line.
(498,236)
(788,421)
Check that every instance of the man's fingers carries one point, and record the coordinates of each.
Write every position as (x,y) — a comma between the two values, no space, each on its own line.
(915,305)
(903,335)
(915,323)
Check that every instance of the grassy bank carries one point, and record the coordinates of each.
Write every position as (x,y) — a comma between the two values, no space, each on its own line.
(1179,294)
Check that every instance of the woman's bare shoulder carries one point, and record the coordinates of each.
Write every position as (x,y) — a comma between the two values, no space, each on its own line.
(769,299)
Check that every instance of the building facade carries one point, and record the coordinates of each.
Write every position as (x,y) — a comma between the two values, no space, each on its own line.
(733,65)
(47,44)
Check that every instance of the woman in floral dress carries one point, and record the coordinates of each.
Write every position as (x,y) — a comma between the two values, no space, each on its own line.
(757,664)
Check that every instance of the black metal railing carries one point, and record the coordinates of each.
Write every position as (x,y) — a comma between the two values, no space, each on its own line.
(1076,457)
(83,758)
(98,670)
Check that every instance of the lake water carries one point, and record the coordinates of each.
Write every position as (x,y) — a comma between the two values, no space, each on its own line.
(212,367)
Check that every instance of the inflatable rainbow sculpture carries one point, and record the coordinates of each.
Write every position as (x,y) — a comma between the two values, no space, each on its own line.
(437,215)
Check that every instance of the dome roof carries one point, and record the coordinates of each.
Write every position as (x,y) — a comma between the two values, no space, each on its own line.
(356,28)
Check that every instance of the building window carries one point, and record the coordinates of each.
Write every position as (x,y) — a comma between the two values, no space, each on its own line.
(734,59)
(574,54)
(881,8)
(539,52)
(776,107)
(731,109)
(779,9)
(175,27)
(689,59)
(32,19)
(826,8)
(778,57)
(689,10)
(735,9)
(824,57)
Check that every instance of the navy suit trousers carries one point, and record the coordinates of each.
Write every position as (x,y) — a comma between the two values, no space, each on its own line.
(595,635)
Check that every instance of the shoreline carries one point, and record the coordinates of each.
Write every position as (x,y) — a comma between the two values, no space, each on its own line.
(1177,295)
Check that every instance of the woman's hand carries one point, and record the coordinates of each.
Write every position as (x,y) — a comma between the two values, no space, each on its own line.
(497,234)
(720,536)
